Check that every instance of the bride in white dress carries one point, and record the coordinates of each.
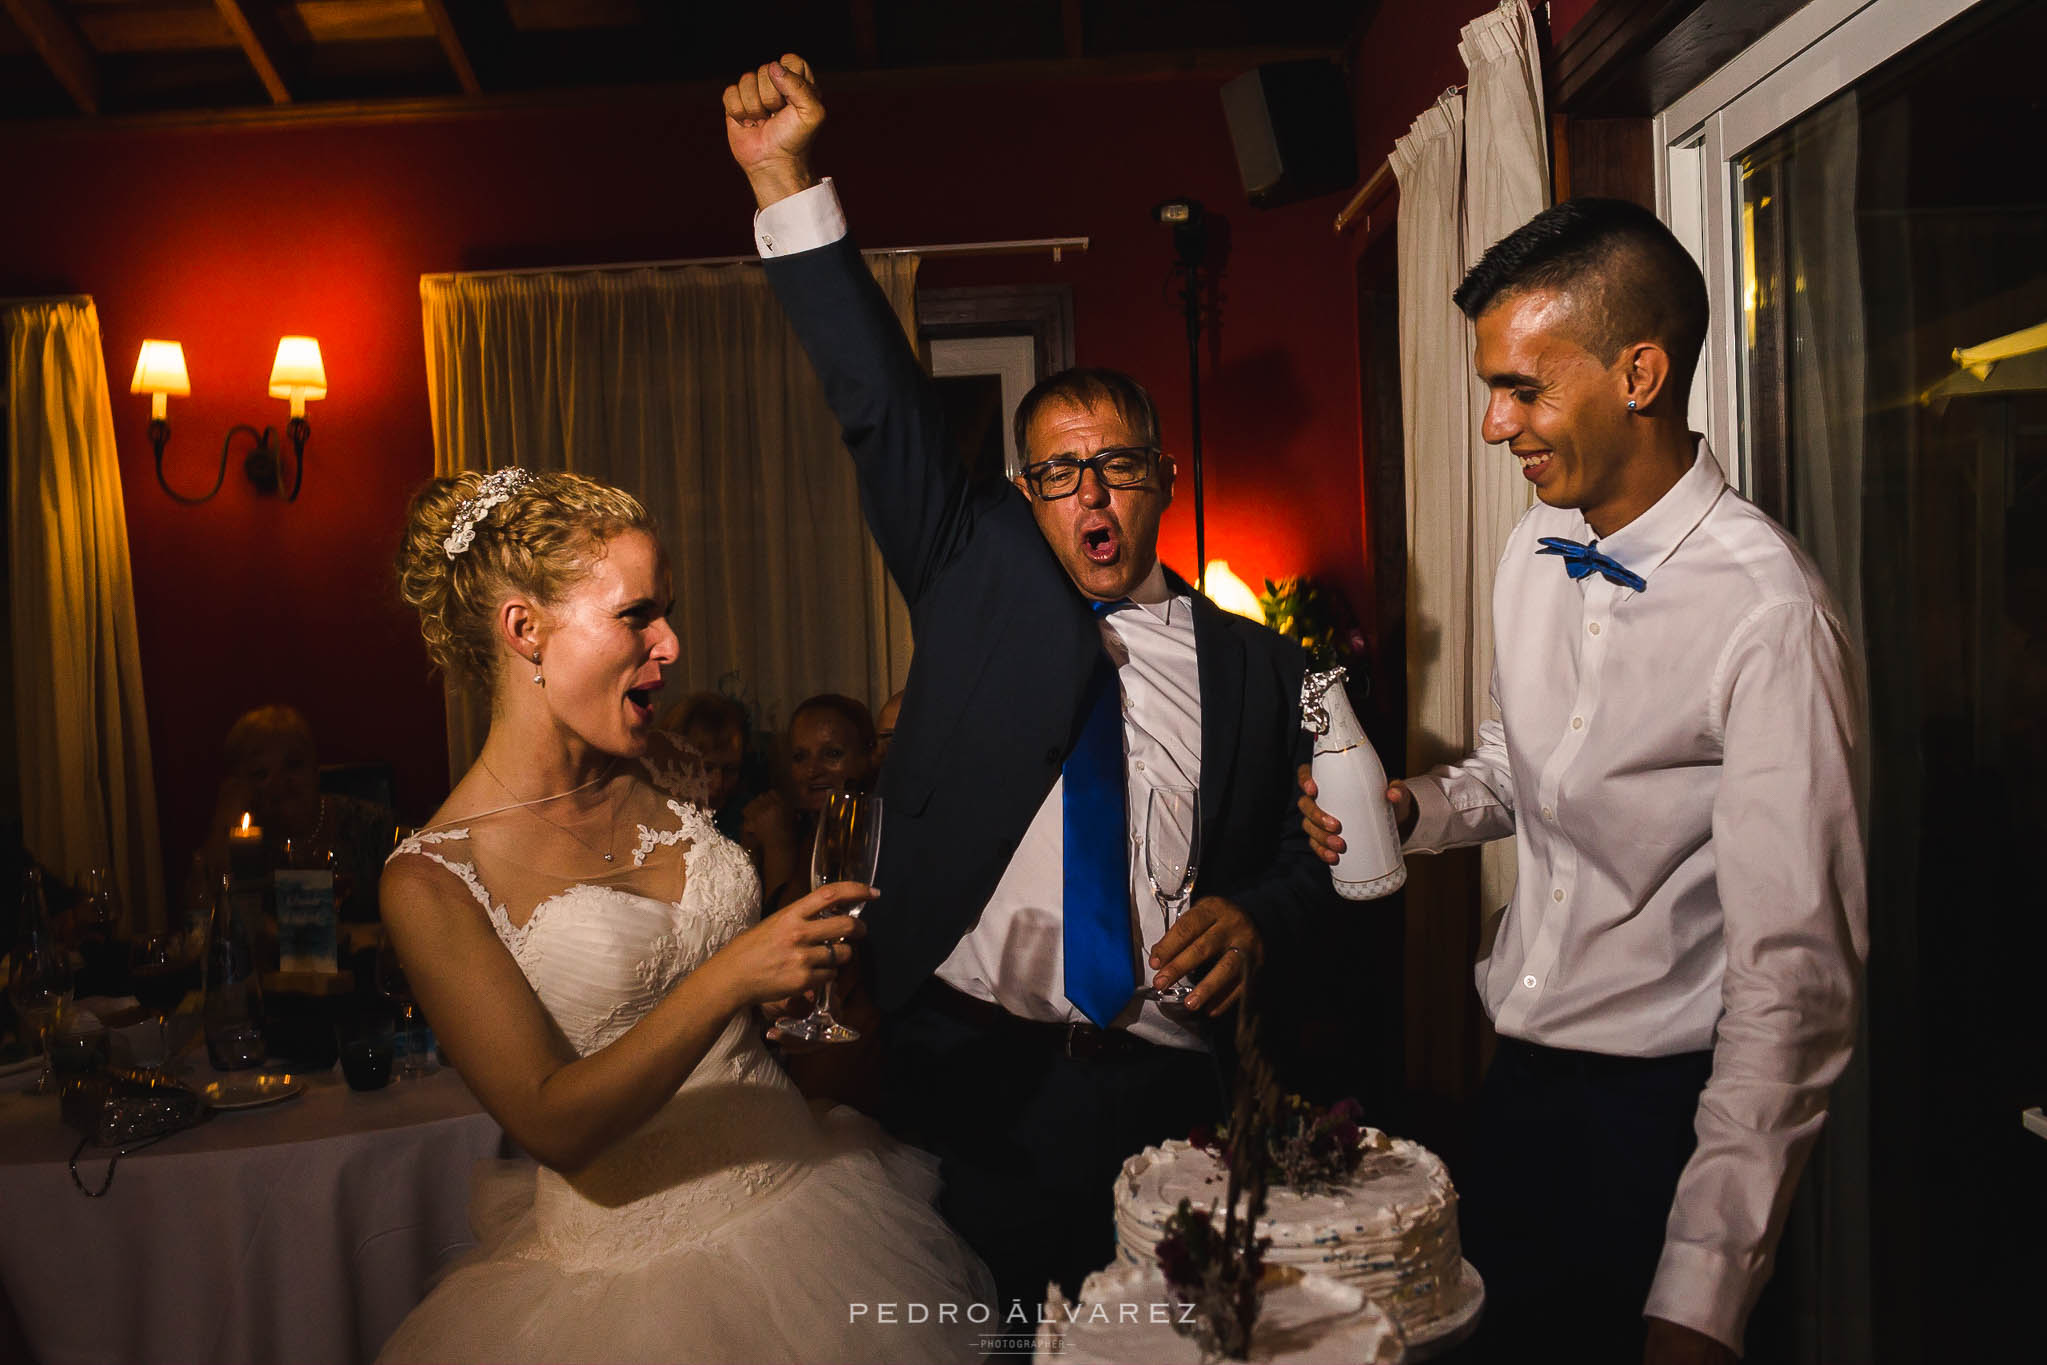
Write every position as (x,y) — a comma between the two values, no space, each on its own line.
(591,953)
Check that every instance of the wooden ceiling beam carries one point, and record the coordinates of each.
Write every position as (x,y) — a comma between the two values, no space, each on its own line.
(450,35)
(57,41)
(260,42)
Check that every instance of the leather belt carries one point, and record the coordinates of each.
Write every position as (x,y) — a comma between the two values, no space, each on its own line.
(1079,1041)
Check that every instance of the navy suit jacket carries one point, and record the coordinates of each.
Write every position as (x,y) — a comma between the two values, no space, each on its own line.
(1004,647)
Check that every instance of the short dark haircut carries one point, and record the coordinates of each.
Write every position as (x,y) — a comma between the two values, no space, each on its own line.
(1090,388)
(854,713)
(1627,277)
(712,713)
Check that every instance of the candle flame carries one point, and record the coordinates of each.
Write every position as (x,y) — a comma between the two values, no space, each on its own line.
(245,819)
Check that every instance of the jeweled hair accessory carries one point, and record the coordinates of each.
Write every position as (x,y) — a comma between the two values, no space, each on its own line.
(470,512)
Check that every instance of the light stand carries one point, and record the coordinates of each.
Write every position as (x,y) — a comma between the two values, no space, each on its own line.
(1190,248)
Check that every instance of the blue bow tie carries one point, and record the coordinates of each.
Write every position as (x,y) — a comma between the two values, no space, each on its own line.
(1580,560)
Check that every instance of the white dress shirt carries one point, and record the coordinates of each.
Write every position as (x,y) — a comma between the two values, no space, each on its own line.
(1680,765)
(1015,955)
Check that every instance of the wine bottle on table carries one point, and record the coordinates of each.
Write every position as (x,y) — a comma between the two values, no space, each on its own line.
(234,994)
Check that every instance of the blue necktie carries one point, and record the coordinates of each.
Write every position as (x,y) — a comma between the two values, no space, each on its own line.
(1580,560)
(1100,973)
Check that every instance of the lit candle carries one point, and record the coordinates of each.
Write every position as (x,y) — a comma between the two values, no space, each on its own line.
(247,860)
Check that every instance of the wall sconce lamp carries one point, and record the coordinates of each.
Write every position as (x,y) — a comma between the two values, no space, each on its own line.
(297,375)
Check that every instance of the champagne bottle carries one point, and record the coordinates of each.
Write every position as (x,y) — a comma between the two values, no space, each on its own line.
(1350,784)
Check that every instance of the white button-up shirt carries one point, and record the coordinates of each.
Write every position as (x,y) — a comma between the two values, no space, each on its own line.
(1681,767)
(1015,954)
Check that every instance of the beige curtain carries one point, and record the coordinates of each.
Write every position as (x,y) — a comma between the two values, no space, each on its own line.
(1506,182)
(88,794)
(1471,169)
(1442,407)
(685,386)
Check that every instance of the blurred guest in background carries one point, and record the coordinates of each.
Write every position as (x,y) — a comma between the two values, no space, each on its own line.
(885,727)
(273,774)
(717,727)
(831,749)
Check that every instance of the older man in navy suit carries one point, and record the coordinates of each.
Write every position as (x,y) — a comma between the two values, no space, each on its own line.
(1063,678)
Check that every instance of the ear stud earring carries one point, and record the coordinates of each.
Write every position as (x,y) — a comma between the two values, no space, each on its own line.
(536,669)
(1631,405)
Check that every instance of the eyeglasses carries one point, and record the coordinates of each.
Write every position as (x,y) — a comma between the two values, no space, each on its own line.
(1116,467)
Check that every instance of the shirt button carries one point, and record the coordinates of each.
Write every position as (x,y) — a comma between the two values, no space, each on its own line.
(1549,812)
(1557,894)
(1529,982)
(1052,756)
(1577,722)
(1140,765)
(1594,627)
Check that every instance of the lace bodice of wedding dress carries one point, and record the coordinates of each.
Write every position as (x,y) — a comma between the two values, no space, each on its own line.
(599,956)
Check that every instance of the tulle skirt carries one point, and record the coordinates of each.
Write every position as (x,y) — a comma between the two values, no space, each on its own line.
(844,1260)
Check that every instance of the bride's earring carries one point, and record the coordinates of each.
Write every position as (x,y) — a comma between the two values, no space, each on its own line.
(537,679)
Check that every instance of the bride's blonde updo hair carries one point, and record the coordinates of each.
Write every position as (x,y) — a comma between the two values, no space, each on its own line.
(456,564)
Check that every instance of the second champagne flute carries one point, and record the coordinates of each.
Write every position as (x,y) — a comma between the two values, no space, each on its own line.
(848,842)
(1172,846)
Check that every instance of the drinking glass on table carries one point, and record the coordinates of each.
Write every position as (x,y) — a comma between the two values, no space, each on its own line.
(162,970)
(848,843)
(97,924)
(1172,845)
(39,979)
(413,1049)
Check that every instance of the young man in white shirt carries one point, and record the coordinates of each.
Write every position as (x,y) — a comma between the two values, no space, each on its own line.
(1674,983)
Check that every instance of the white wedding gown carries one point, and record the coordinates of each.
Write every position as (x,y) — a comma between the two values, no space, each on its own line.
(735,1225)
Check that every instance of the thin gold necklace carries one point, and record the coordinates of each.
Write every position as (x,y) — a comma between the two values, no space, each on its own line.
(617,798)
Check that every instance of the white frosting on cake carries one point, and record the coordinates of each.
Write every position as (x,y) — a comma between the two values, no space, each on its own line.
(1125,1317)
(1390,1229)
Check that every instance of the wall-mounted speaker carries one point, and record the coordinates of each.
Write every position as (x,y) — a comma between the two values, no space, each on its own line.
(1291,124)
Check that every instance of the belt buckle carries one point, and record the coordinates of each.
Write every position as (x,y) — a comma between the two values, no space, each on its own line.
(1083,1041)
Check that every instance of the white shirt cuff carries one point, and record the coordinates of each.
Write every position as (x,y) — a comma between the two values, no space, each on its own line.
(1433,817)
(804,221)
(1699,1288)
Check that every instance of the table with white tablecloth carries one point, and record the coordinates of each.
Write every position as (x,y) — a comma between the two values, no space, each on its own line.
(302,1231)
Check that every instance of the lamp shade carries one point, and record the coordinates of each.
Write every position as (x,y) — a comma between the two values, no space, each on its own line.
(1230,592)
(160,368)
(298,373)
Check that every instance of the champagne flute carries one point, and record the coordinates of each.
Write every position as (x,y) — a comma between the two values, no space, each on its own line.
(1172,844)
(39,980)
(848,842)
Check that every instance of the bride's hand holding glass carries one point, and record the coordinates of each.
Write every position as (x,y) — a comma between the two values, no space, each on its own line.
(793,950)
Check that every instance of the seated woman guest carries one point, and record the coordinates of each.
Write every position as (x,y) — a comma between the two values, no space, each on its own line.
(273,774)
(592,953)
(831,749)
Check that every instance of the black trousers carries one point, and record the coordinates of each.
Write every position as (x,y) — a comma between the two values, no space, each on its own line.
(1574,1160)
(1030,1139)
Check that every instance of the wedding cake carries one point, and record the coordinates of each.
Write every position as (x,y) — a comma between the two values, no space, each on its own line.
(1387,1227)
(1125,1315)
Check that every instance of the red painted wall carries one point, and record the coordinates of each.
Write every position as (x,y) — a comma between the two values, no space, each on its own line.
(227,238)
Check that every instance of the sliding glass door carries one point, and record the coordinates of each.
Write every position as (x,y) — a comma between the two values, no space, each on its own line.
(1865,189)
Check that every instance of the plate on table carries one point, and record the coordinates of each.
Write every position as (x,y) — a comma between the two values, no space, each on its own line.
(252,1091)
